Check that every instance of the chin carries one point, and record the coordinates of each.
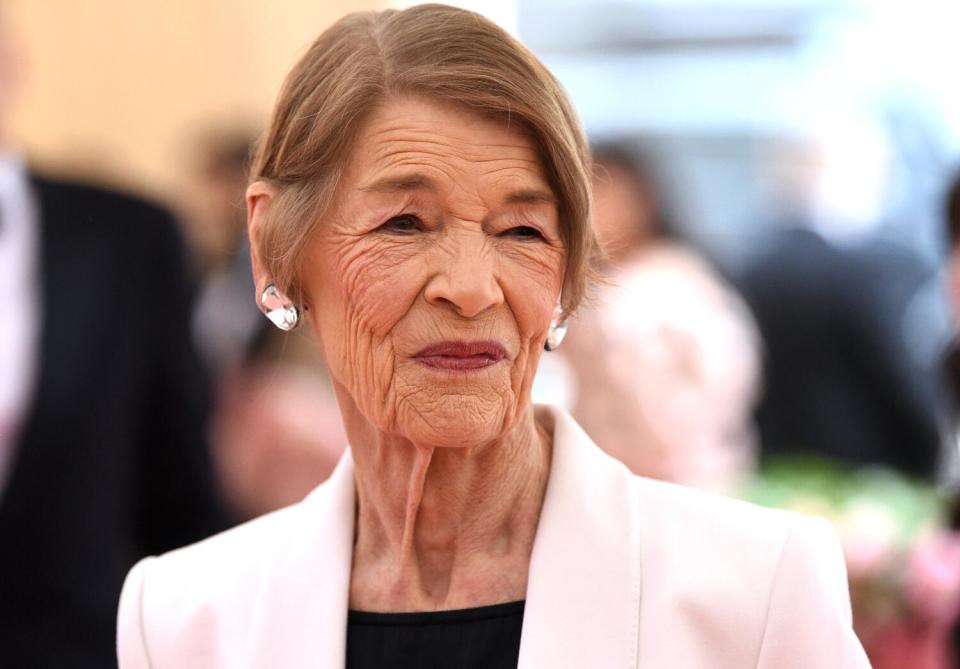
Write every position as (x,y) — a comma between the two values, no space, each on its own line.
(454,422)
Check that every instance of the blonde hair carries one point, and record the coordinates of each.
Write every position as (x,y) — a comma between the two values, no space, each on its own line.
(441,53)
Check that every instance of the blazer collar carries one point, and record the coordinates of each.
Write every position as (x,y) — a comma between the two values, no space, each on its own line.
(309,578)
(583,593)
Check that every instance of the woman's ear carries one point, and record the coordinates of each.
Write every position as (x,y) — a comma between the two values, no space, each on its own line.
(259,198)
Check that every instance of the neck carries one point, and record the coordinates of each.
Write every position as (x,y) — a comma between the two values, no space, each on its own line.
(444,528)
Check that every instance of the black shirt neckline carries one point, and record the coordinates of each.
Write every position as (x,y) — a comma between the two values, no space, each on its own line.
(447,617)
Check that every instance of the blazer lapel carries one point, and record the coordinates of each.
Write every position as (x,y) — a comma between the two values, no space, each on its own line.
(583,593)
(302,618)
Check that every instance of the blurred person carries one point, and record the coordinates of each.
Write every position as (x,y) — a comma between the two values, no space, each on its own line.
(104,413)
(225,322)
(422,202)
(952,354)
(666,359)
(951,360)
(667,363)
(933,572)
(102,408)
(277,430)
(830,297)
(217,223)
(630,211)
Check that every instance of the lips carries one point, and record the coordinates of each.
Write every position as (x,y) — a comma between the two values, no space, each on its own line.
(461,355)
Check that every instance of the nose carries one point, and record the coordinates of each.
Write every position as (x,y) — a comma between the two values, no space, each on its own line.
(465,277)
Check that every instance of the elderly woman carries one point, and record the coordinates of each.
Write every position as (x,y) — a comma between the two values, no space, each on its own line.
(421,201)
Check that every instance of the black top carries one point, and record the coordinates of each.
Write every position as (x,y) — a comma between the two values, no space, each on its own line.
(487,637)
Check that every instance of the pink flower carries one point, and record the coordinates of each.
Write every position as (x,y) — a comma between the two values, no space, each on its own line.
(932,579)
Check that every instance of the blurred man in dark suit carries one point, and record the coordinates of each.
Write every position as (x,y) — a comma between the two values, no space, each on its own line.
(831,297)
(103,403)
(840,381)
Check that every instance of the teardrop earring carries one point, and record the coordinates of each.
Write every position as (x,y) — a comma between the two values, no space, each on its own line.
(557,330)
(279,309)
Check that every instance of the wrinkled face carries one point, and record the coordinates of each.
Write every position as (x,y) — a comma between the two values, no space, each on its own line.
(433,278)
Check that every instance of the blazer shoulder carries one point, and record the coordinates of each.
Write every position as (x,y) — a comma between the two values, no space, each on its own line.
(74,210)
(726,563)
(207,591)
(694,512)
(809,621)
(737,534)
(128,243)
(94,198)
(262,589)
(231,551)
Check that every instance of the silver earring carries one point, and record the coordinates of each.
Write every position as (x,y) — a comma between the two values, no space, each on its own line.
(278,308)
(557,330)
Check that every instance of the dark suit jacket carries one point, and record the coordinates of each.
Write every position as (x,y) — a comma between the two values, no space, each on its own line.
(839,378)
(112,463)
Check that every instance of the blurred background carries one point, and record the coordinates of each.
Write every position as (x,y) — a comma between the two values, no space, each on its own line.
(773,189)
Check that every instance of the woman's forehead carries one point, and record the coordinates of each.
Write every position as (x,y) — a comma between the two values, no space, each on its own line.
(415,143)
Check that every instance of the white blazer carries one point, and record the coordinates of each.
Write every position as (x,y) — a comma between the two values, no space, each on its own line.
(625,572)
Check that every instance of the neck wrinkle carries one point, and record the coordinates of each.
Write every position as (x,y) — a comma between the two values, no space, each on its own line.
(427,517)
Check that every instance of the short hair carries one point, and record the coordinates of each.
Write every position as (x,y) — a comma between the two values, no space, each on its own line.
(953,211)
(435,51)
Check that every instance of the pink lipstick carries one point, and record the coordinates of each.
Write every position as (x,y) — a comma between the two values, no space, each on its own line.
(465,356)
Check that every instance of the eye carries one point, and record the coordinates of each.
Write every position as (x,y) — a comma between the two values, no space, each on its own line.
(522,232)
(402,225)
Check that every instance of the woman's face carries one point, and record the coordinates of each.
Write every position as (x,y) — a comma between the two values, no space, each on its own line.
(432,280)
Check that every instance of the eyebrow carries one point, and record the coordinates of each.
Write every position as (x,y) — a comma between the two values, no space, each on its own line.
(401,184)
(419,182)
(531,196)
